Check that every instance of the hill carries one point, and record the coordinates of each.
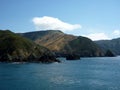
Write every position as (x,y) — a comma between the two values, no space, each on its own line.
(113,45)
(14,48)
(62,43)
(84,47)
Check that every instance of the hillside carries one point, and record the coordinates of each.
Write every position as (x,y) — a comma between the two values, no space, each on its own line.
(113,45)
(84,47)
(62,43)
(13,47)
(39,34)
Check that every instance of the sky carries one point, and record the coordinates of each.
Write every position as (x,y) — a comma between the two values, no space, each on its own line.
(95,19)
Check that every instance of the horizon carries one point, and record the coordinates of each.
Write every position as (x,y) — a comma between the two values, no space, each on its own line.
(97,20)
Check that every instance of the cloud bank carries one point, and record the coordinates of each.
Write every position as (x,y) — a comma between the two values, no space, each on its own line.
(97,36)
(51,23)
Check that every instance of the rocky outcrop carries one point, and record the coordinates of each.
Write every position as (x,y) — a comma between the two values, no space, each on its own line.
(72,57)
(109,54)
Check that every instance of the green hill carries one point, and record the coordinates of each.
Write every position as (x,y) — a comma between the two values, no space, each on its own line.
(84,47)
(62,43)
(13,47)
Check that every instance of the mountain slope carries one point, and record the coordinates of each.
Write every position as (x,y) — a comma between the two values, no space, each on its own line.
(62,43)
(39,34)
(55,40)
(113,45)
(85,47)
(13,47)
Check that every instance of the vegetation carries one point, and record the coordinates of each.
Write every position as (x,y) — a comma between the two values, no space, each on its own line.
(84,47)
(112,45)
(13,47)
(63,44)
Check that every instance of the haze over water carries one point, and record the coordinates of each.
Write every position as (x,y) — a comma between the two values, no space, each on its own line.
(85,74)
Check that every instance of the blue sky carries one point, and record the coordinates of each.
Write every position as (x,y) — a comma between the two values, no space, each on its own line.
(96,19)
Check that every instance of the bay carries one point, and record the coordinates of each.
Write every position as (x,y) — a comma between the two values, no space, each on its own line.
(98,73)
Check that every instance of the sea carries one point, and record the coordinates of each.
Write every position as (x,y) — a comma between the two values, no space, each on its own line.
(95,73)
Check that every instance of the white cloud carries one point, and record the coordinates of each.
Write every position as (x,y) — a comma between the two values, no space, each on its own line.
(97,36)
(116,32)
(47,23)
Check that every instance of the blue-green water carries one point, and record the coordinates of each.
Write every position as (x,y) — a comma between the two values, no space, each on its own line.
(85,74)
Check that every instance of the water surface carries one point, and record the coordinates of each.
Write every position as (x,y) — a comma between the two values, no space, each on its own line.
(85,74)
